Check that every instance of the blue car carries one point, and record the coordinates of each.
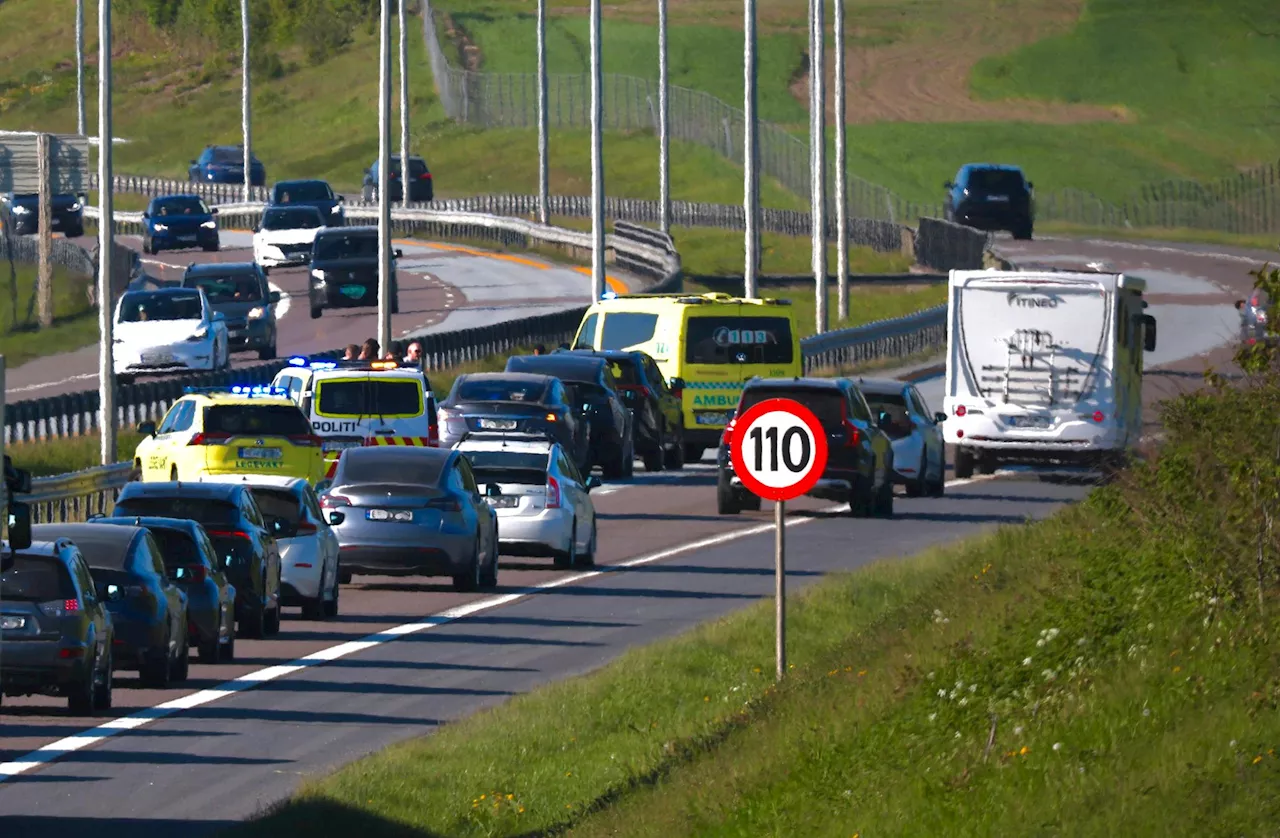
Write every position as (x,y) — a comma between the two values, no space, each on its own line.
(311,193)
(23,214)
(174,222)
(991,197)
(225,164)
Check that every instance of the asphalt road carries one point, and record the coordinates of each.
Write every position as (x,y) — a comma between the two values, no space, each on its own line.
(216,750)
(442,287)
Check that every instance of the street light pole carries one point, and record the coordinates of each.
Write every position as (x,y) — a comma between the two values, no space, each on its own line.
(664,123)
(818,161)
(106,367)
(384,178)
(544,177)
(842,174)
(750,153)
(244,98)
(404,108)
(80,67)
(597,158)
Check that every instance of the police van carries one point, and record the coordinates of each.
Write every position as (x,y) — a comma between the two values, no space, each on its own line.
(358,403)
(706,345)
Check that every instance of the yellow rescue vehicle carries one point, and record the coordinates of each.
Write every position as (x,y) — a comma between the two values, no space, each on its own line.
(706,345)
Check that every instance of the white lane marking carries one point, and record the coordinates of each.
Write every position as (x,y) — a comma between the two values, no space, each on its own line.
(84,376)
(282,307)
(79,741)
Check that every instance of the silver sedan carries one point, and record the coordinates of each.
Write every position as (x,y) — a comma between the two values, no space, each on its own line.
(919,452)
(412,512)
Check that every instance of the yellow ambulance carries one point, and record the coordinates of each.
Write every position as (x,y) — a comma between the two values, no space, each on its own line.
(706,345)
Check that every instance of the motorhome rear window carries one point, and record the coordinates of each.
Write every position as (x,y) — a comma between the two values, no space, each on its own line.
(625,329)
(738,340)
(369,397)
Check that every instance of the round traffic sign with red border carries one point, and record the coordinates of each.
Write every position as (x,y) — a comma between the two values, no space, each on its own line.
(779,449)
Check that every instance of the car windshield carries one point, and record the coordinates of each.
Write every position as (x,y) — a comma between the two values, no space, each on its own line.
(144,306)
(207,511)
(998,181)
(314,190)
(825,403)
(177,548)
(346,246)
(280,503)
(227,288)
(417,167)
(375,465)
(167,207)
(886,402)
(498,461)
(294,218)
(626,373)
(581,391)
(738,340)
(370,397)
(256,420)
(227,154)
(500,390)
(36,579)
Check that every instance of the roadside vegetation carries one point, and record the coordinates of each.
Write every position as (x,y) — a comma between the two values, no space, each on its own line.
(75,322)
(1112,670)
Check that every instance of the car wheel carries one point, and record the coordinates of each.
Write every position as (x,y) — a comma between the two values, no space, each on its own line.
(884,499)
(655,458)
(253,624)
(102,688)
(693,453)
(345,577)
(986,465)
(489,573)
(267,353)
(271,622)
(331,604)
(629,458)
(210,651)
(469,579)
(75,232)
(157,673)
(212,248)
(749,502)
(964,463)
(588,557)
(316,311)
(920,486)
(938,486)
(569,556)
(313,609)
(862,500)
(726,498)
(182,667)
(80,696)
(229,648)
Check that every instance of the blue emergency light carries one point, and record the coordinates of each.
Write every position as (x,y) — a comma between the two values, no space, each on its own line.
(251,390)
(609,295)
(303,361)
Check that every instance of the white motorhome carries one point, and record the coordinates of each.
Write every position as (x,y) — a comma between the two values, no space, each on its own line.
(1044,367)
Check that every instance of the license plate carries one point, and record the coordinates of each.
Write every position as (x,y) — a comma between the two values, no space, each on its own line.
(57,222)
(402,515)
(711,418)
(503,503)
(1027,421)
(1004,199)
(157,358)
(12,622)
(355,292)
(260,453)
(498,424)
(235,333)
(338,446)
(188,238)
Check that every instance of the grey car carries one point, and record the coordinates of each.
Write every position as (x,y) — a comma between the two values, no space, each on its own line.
(919,452)
(401,511)
(58,635)
(239,291)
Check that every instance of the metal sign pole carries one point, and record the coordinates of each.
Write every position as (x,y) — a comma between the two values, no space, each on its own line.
(664,124)
(818,161)
(597,158)
(544,175)
(80,67)
(750,154)
(842,174)
(244,99)
(405,171)
(106,241)
(384,180)
(780,585)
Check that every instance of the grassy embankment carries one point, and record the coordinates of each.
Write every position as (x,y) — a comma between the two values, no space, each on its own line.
(75,323)
(1110,671)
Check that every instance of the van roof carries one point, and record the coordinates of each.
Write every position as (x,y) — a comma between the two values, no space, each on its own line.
(710,298)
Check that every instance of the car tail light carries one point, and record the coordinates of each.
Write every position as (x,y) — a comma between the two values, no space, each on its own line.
(726,437)
(424,176)
(960,410)
(553,493)
(60,608)
(309,440)
(71,652)
(306,528)
(231,534)
(210,438)
(853,436)
(1097,416)
(433,434)
(448,504)
(333,501)
(678,392)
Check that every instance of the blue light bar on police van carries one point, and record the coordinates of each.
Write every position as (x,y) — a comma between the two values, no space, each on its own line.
(259,390)
(609,295)
(303,361)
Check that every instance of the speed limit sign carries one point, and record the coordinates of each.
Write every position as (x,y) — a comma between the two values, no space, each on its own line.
(779,450)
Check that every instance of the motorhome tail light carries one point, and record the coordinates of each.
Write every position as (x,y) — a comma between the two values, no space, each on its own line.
(853,437)
(959,433)
(553,493)
(960,410)
(60,608)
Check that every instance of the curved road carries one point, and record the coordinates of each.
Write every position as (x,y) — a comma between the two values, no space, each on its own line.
(442,287)
(237,737)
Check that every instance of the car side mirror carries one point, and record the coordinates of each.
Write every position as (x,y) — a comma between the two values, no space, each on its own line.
(19,525)
(336,518)
(146,214)
(147,428)
(113,593)
(399,253)
(1030,185)
(592,482)
(282,527)
(884,420)
(178,574)
(257,228)
(342,199)
(218,315)
(213,210)
(273,297)
(677,384)
(948,185)
(1148,333)
(939,417)
(492,490)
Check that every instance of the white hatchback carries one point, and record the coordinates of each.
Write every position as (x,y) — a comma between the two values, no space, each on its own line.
(168,330)
(285,235)
(309,572)
(542,500)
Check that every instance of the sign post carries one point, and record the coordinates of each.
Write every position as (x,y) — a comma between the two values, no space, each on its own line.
(779,453)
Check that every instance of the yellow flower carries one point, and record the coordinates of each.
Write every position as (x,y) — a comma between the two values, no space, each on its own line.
(1257,759)
(1025,750)
(520,811)
(511,797)
(1176,670)
(482,797)
(706,698)
(862,672)
(568,773)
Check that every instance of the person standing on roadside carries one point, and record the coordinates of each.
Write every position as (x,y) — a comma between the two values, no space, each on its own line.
(369,352)
(352,353)
(413,355)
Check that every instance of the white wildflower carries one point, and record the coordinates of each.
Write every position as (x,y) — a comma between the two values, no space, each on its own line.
(1026,661)
(933,716)
(1057,746)
(964,701)
(1146,711)
(1017,731)
(942,693)
(973,688)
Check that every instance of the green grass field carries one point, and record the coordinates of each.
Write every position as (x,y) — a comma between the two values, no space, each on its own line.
(1110,671)
(75,323)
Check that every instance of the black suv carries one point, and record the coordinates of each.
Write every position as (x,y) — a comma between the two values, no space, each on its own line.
(859,454)
(23,214)
(991,197)
(57,634)
(421,184)
(244,539)
(593,389)
(655,408)
(344,270)
(239,290)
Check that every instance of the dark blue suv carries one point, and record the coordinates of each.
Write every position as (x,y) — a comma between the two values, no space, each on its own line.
(173,222)
(988,196)
(311,193)
(23,214)
(225,164)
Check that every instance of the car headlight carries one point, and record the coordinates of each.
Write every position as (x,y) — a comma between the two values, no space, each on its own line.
(161,228)
(75,207)
(318,274)
(257,313)
(209,225)
(334,209)
(199,334)
(210,175)
(18,209)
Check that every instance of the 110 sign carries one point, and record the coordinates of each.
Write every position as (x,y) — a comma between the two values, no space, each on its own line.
(782,451)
